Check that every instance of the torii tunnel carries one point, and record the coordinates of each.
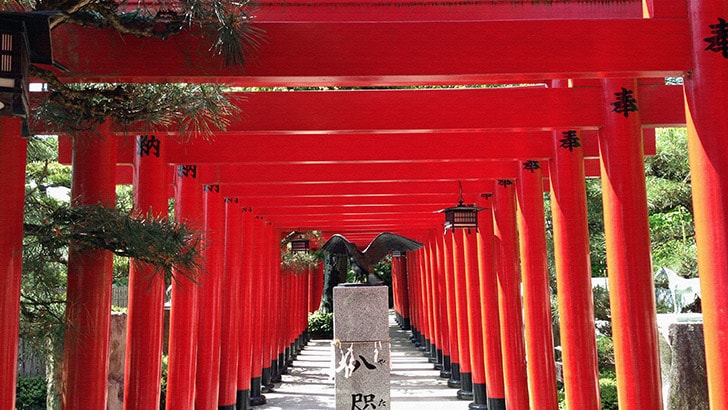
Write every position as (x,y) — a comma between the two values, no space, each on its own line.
(374,156)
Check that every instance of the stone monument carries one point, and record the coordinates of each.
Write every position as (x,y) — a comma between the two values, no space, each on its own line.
(362,347)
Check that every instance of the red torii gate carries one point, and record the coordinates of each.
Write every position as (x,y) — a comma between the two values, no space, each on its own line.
(562,49)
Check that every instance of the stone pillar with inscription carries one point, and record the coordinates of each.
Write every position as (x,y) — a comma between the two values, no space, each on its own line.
(362,350)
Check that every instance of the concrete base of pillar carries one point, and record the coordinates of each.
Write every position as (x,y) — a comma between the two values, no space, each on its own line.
(243,400)
(466,391)
(454,382)
(479,397)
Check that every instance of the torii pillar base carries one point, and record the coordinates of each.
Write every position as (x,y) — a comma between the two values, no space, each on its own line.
(361,327)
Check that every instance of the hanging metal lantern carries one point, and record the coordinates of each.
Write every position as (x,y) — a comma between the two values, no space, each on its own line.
(14,60)
(300,245)
(461,216)
(24,39)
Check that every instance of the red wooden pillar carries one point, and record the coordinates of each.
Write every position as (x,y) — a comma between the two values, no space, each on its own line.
(418,308)
(288,290)
(536,296)
(207,383)
(448,260)
(269,309)
(184,318)
(454,381)
(429,260)
(706,90)
(398,285)
(145,323)
(427,302)
(318,282)
(412,295)
(461,311)
(422,323)
(627,234)
(475,322)
(442,299)
(276,339)
(288,313)
(12,162)
(257,309)
(231,302)
(247,294)
(488,279)
(573,272)
(88,303)
(509,296)
(311,304)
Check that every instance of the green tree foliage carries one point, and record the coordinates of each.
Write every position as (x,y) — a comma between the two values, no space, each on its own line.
(30,393)
(669,203)
(44,272)
(51,226)
(189,109)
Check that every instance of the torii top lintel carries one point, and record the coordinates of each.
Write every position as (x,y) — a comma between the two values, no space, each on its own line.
(385,52)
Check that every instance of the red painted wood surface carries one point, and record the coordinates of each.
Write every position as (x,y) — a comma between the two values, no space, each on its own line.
(184,315)
(705,96)
(88,294)
(460,285)
(145,323)
(509,295)
(390,53)
(12,161)
(627,241)
(474,303)
(573,278)
(488,279)
(247,292)
(535,290)
(380,116)
(231,302)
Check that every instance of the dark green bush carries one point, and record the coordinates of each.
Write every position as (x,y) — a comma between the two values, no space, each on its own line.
(30,393)
(608,393)
(163,384)
(605,354)
(321,325)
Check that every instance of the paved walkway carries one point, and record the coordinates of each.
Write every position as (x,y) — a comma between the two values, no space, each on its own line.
(415,384)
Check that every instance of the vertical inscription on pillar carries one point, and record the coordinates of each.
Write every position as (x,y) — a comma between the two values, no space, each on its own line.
(148,145)
(718,42)
(570,140)
(625,102)
(505,182)
(187,171)
(531,165)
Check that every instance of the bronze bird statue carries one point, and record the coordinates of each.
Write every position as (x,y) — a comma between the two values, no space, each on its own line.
(378,248)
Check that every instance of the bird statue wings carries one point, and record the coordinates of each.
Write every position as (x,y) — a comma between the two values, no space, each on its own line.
(377,249)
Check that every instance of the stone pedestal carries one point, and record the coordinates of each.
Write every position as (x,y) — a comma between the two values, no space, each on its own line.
(362,351)
(682,352)
(117,362)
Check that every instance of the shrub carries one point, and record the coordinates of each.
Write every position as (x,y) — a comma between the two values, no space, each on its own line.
(608,393)
(163,384)
(605,354)
(321,325)
(30,393)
